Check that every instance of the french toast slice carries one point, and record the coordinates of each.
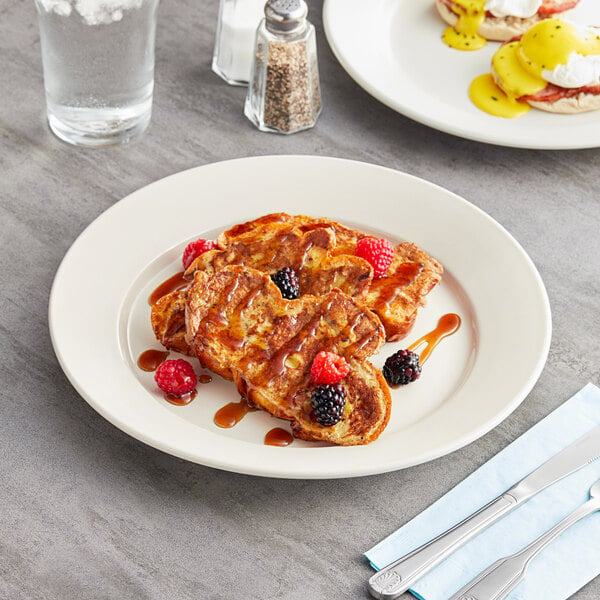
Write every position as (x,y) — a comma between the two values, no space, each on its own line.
(309,253)
(345,238)
(240,327)
(167,317)
(322,253)
(396,297)
(280,245)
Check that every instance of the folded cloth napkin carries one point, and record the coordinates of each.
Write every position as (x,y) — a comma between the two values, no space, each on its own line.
(568,563)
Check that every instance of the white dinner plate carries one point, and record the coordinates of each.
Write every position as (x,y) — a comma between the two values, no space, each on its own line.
(99,312)
(393,49)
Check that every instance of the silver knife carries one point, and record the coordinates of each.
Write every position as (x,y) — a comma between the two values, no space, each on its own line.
(395,579)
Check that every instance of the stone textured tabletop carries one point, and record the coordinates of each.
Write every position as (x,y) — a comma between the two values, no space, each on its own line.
(90,513)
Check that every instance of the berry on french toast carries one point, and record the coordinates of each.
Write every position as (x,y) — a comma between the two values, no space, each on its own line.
(239,326)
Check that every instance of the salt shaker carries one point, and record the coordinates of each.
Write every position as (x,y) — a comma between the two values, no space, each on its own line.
(284,93)
(234,40)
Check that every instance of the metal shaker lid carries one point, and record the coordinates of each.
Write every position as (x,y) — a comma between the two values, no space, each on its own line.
(285,15)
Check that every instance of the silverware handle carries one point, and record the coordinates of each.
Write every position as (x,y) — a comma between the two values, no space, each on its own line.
(496,581)
(504,575)
(395,579)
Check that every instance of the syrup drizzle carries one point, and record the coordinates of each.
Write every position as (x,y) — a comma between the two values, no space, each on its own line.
(150,359)
(388,288)
(219,312)
(360,344)
(230,292)
(358,317)
(234,336)
(447,325)
(305,253)
(278,437)
(181,400)
(204,379)
(248,300)
(295,344)
(231,414)
(173,284)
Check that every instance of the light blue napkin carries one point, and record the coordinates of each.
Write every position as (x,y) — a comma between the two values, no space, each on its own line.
(564,566)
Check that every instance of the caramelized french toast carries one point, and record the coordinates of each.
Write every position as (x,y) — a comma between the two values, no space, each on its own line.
(395,298)
(239,326)
(277,246)
(345,238)
(321,251)
(167,317)
(309,253)
(233,317)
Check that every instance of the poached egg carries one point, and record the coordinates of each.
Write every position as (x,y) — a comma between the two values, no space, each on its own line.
(553,51)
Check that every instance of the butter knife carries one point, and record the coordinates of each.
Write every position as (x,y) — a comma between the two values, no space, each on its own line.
(395,579)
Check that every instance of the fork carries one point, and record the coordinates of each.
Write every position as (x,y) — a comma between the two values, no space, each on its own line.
(502,576)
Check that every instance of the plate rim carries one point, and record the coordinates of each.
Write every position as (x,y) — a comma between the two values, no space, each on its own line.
(298,473)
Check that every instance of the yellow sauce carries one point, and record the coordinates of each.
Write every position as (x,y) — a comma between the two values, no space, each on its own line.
(464,36)
(519,66)
(487,96)
(515,80)
(551,42)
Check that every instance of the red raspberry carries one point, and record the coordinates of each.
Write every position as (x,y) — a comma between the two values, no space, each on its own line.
(194,249)
(176,377)
(328,368)
(379,253)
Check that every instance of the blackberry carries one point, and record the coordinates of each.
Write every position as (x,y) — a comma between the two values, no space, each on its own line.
(328,403)
(287,282)
(401,368)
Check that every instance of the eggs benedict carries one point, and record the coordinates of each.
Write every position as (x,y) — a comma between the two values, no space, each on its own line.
(555,67)
(473,22)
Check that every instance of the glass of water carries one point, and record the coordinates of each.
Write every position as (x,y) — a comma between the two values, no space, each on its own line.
(98,60)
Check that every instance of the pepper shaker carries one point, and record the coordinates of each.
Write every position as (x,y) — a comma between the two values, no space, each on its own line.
(284,93)
(234,40)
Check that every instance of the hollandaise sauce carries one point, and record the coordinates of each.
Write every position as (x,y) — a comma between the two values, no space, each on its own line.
(463,35)
(487,96)
(550,43)
(519,67)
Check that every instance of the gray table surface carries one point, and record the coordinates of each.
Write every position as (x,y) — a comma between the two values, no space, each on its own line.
(87,512)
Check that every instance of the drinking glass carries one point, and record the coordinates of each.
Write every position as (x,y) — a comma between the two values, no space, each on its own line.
(98,62)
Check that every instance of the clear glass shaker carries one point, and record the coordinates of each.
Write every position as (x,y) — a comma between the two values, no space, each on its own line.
(284,94)
(234,40)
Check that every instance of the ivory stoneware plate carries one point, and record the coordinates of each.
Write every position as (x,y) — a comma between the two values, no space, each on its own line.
(99,312)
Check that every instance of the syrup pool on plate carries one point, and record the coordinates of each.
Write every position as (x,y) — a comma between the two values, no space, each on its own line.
(150,359)
(231,414)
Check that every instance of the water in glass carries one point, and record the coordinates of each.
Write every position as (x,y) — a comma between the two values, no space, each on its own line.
(98,61)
